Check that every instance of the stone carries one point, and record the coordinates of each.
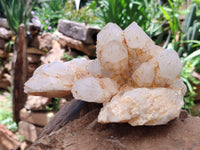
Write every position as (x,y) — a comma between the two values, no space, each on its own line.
(137,81)
(3,54)
(34,42)
(8,65)
(29,131)
(88,49)
(4,84)
(34,29)
(33,58)
(78,31)
(5,34)
(36,118)
(2,71)
(196,109)
(32,68)
(45,41)
(2,43)
(32,50)
(25,145)
(36,21)
(4,23)
(37,103)
(7,77)
(78,134)
(53,55)
(8,140)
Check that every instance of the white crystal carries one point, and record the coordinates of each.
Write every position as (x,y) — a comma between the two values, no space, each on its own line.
(94,90)
(135,37)
(143,106)
(137,81)
(113,56)
(170,65)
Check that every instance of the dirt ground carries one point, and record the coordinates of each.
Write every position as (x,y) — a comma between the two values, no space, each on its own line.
(5,101)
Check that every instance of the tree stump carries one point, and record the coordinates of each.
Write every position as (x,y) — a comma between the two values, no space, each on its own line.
(19,72)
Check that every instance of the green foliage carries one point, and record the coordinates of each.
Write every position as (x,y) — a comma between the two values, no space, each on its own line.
(191,31)
(17,12)
(67,57)
(171,13)
(6,115)
(49,12)
(146,13)
(54,104)
(9,45)
(21,138)
(190,64)
(1,9)
(123,12)
(84,14)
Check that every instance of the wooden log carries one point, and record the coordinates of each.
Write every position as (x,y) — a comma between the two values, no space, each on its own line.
(19,74)
(88,49)
(67,113)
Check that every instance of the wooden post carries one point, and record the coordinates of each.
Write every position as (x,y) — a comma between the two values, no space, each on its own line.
(19,72)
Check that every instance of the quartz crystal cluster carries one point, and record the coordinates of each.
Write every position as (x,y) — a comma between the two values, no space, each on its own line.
(137,81)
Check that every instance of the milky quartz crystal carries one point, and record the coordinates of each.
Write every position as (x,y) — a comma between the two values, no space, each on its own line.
(137,81)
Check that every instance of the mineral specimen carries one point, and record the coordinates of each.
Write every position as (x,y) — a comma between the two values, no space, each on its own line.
(137,81)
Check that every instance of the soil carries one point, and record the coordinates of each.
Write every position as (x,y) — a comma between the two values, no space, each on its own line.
(4,101)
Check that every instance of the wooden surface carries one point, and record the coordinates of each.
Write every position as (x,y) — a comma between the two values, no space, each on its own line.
(19,74)
(67,113)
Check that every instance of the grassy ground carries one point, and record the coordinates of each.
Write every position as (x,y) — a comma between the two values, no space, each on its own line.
(6,116)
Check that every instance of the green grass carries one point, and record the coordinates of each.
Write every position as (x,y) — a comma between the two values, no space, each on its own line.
(6,115)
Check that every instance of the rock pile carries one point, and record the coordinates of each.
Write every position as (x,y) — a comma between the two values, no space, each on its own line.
(8,140)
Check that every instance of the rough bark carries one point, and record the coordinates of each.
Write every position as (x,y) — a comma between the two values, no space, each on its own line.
(19,74)
(67,113)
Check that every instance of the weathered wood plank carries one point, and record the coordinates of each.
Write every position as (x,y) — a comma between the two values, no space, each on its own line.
(19,74)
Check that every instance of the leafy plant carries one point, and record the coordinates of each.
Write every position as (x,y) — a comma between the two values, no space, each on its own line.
(191,30)
(122,12)
(67,57)
(190,64)
(54,105)
(49,12)
(146,13)
(1,9)
(156,29)
(9,45)
(17,12)
(6,115)
(171,14)
(84,14)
